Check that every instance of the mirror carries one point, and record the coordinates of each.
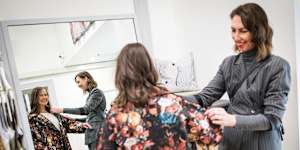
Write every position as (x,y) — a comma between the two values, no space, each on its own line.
(42,49)
(51,52)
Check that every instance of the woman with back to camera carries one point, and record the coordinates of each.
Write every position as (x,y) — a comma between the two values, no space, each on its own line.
(256,82)
(145,115)
(49,130)
(94,107)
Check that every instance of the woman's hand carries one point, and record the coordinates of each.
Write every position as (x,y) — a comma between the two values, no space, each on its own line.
(86,125)
(220,117)
(57,110)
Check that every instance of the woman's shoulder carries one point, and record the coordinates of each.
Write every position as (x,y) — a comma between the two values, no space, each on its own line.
(230,58)
(227,61)
(96,91)
(277,60)
(277,64)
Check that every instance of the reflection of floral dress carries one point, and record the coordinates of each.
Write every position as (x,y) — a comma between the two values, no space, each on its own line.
(46,136)
(162,124)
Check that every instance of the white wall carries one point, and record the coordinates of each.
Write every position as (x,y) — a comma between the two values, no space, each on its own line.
(204,27)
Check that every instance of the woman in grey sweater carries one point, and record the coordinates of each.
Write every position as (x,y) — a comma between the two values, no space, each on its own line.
(94,107)
(256,82)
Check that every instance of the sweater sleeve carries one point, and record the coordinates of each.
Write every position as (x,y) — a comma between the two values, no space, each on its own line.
(94,101)
(257,122)
(216,87)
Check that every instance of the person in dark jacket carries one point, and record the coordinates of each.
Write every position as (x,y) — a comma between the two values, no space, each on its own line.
(94,107)
(49,130)
(256,82)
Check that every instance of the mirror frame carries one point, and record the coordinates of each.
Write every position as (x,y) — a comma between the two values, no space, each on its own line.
(7,53)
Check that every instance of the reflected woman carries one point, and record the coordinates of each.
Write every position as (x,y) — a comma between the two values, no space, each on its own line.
(94,107)
(49,130)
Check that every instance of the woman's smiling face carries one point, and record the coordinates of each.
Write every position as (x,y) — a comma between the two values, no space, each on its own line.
(241,36)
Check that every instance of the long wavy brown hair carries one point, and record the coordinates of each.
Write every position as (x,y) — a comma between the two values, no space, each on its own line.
(136,77)
(34,100)
(255,19)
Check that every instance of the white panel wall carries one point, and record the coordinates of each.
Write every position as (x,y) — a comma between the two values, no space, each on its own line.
(204,27)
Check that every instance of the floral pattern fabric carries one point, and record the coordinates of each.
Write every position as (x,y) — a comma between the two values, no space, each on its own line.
(46,136)
(167,122)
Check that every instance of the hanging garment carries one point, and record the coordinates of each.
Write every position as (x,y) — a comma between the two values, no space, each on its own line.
(15,133)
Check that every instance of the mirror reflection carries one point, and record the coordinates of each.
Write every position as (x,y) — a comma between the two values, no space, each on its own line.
(49,48)
(51,54)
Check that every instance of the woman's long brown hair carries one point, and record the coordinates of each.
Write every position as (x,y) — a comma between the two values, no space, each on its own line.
(136,76)
(34,101)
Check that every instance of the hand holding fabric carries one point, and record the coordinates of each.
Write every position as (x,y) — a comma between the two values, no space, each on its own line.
(220,117)
(86,125)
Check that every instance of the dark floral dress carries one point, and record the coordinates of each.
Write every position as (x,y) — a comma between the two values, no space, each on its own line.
(47,137)
(167,123)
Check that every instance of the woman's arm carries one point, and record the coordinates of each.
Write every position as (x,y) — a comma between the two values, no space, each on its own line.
(275,101)
(216,87)
(276,95)
(257,122)
(95,100)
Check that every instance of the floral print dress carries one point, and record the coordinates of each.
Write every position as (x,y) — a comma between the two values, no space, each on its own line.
(167,123)
(47,137)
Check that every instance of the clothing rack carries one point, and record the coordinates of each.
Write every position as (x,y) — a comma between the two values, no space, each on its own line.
(11,135)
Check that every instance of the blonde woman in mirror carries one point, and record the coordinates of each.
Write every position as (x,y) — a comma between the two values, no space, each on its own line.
(49,130)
